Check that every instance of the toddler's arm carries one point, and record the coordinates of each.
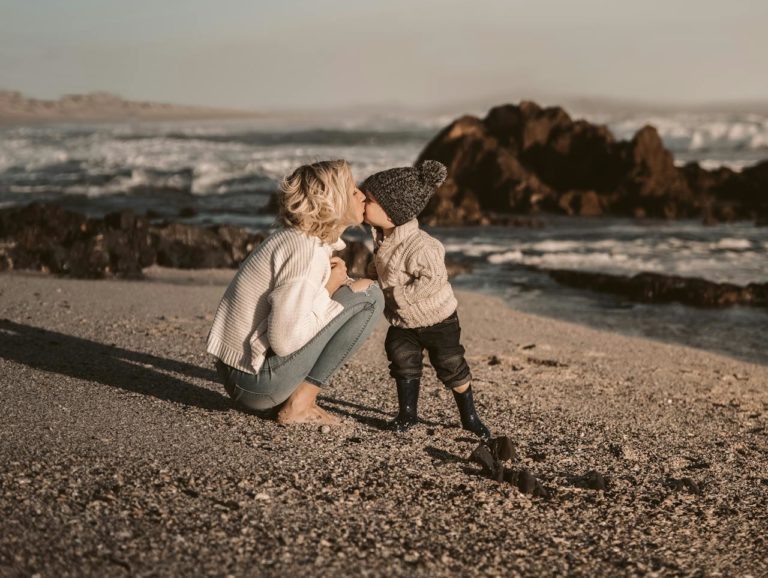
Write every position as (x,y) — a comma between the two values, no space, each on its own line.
(426,267)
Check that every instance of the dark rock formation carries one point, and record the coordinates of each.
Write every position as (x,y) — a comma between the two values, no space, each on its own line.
(492,455)
(50,238)
(686,485)
(592,480)
(192,247)
(526,159)
(658,288)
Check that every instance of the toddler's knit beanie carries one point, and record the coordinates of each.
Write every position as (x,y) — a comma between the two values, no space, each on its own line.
(403,192)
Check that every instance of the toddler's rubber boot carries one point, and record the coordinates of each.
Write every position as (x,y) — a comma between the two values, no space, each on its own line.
(407,399)
(469,418)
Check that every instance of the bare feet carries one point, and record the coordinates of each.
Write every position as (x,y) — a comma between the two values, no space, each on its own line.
(312,414)
(302,407)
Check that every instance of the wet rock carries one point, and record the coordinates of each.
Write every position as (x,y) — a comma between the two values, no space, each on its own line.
(659,288)
(684,485)
(526,482)
(49,238)
(482,455)
(52,239)
(503,449)
(526,158)
(592,480)
(491,456)
(582,203)
(191,247)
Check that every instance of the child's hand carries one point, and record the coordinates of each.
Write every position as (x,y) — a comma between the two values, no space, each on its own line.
(338,275)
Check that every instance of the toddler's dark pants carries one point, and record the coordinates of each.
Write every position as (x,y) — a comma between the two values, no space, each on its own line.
(405,352)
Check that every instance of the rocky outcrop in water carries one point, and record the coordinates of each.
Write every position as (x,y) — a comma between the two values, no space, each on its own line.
(52,239)
(658,288)
(527,159)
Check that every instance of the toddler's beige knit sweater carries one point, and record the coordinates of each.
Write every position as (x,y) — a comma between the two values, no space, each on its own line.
(410,267)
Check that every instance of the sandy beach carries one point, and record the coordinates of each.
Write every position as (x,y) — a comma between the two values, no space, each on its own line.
(122,456)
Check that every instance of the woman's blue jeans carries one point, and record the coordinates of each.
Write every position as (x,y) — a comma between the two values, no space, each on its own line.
(316,361)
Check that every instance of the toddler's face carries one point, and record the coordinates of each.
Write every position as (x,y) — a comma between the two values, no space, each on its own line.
(375,215)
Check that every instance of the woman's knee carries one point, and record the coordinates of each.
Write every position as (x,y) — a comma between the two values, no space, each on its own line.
(372,296)
(377,296)
(374,303)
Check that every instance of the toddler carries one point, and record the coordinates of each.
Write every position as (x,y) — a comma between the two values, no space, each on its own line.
(419,301)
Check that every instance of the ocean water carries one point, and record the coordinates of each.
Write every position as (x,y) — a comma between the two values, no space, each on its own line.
(513,263)
(226,170)
(236,157)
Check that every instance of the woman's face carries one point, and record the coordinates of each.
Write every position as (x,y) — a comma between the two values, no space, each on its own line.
(357,207)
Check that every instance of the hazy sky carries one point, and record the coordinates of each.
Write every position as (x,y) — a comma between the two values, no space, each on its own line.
(321,53)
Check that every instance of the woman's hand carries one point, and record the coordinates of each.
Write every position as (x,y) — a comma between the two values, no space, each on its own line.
(338,275)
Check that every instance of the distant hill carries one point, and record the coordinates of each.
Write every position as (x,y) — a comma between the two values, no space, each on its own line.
(95,106)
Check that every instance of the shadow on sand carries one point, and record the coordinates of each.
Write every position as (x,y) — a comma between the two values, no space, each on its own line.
(109,365)
(346,409)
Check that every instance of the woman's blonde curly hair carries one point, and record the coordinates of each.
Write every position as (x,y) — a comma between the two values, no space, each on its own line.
(316,199)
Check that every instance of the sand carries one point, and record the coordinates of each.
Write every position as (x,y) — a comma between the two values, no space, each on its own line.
(121,455)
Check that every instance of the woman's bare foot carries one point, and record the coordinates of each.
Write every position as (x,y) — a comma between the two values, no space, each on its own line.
(302,407)
(314,415)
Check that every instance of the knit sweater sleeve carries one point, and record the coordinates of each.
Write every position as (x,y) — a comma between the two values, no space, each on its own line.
(426,268)
(299,306)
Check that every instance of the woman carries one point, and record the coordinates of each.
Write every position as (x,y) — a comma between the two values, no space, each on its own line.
(291,316)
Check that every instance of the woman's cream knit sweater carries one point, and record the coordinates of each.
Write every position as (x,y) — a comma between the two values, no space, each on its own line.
(276,300)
